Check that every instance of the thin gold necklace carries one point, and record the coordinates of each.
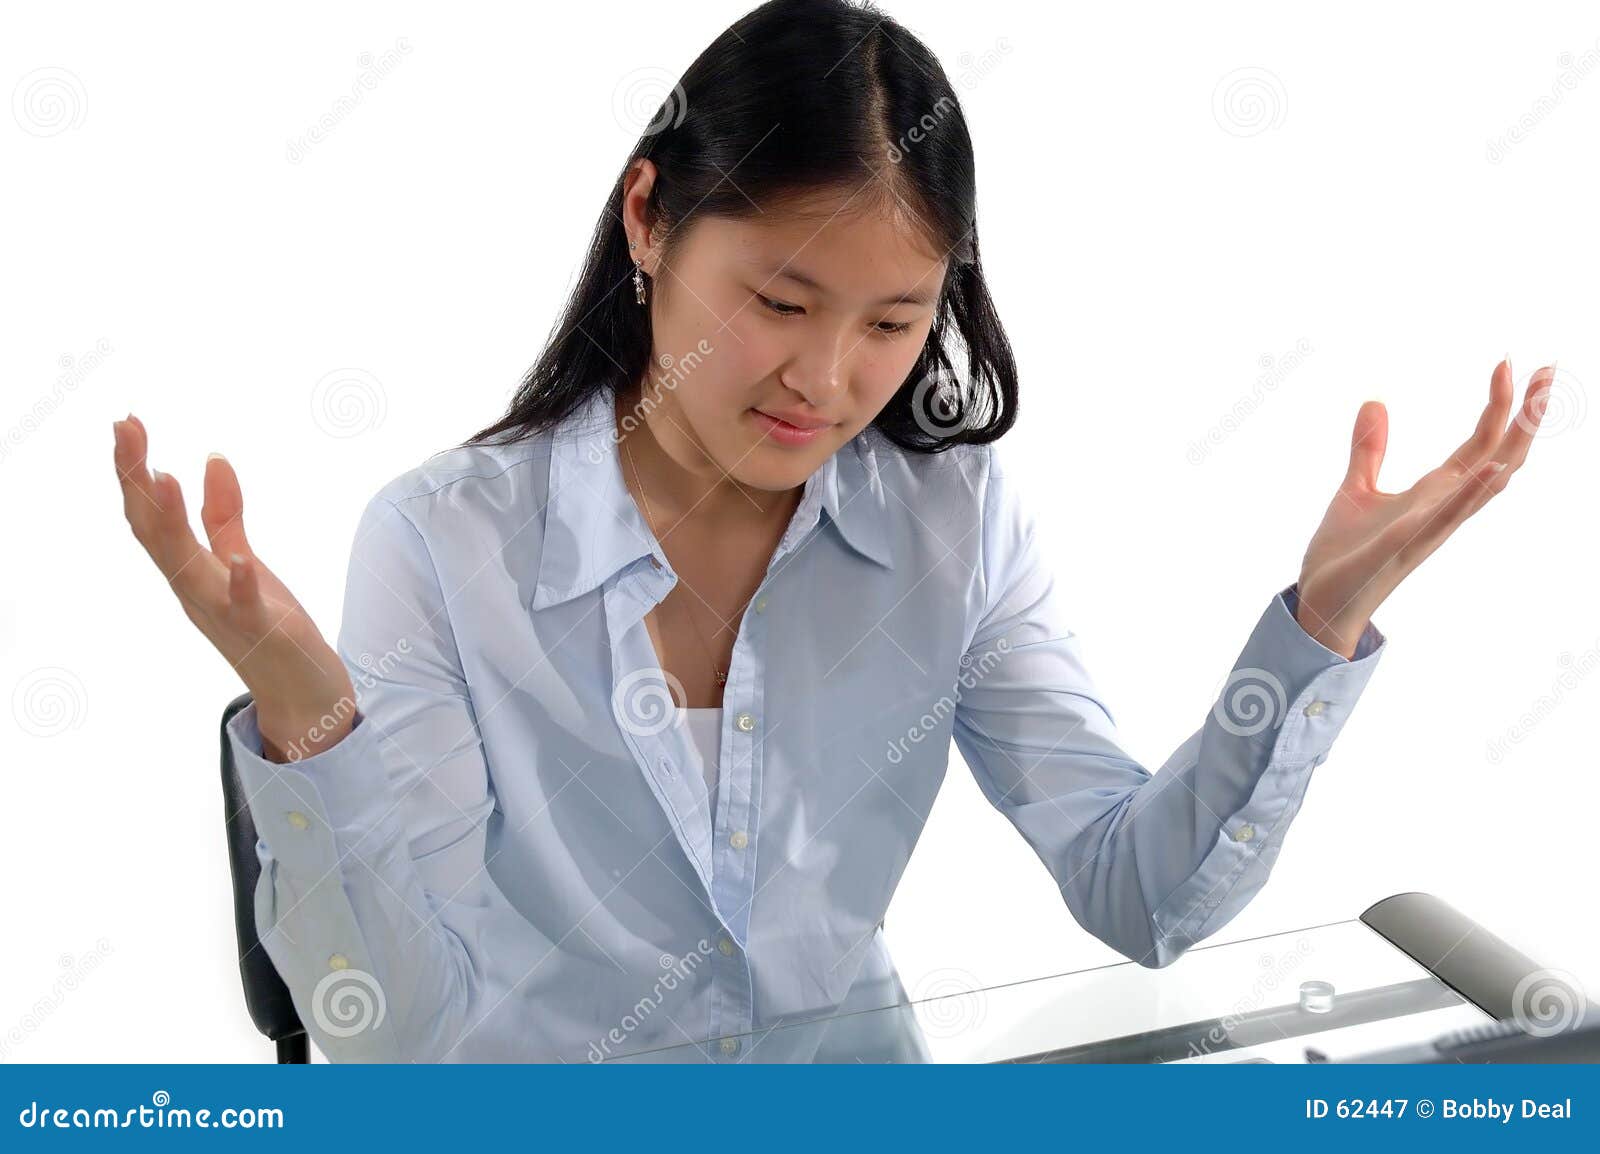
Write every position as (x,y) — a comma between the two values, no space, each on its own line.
(650,518)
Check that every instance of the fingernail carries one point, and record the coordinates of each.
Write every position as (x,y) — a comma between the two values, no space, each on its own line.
(214,456)
(236,558)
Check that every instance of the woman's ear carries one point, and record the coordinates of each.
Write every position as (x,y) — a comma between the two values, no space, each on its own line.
(642,232)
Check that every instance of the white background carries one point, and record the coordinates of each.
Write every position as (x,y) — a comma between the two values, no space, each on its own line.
(1155,252)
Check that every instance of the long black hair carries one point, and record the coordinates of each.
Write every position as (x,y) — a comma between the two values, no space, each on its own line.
(795,97)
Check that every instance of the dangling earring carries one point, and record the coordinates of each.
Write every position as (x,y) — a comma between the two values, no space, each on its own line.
(638,276)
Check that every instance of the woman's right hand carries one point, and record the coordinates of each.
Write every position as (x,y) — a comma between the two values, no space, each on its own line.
(304,698)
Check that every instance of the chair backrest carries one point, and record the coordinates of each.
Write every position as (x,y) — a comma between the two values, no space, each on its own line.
(265,995)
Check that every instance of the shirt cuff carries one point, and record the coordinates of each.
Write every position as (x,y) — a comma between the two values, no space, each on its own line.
(304,810)
(1371,638)
(1292,695)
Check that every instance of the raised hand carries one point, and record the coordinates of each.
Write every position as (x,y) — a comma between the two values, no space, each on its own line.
(1370,540)
(304,698)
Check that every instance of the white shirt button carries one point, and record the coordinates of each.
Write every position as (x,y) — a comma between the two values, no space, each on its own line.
(745,722)
(338,962)
(738,839)
(1315,708)
(1213,903)
(726,946)
(297,819)
(1245,832)
(729,1045)
(761,604)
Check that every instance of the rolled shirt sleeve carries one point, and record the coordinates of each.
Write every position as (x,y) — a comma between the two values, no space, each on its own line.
(373,895)
(1148,863)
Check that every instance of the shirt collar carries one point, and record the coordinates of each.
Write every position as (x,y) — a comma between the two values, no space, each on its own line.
(593,527)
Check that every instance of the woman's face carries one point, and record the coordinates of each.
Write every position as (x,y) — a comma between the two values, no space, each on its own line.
(814,318)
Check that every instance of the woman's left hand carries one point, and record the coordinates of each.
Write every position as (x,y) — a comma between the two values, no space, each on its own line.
(1369,541)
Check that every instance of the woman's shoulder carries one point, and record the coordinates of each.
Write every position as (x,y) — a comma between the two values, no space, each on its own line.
(466,485)
(953,476)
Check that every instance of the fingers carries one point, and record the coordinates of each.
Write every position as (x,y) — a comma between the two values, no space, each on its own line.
(153,505)
(245,605)
(129,455)
(1413,537)
(1513,449)
(222,513)
(1367,444)
(1491,423)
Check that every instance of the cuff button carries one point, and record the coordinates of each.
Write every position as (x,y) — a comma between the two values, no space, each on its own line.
(297,819)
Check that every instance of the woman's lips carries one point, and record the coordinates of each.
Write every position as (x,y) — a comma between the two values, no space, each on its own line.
(783,432)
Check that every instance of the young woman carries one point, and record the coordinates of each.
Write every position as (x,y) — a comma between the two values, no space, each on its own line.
(642,694)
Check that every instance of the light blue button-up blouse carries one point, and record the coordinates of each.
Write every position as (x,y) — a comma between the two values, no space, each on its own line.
(509,858)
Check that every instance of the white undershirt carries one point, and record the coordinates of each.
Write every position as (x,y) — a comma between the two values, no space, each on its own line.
(705,735)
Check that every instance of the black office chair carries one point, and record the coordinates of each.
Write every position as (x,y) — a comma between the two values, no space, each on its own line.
(264,992)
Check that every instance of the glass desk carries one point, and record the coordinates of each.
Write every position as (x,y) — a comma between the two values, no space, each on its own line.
(1409,969)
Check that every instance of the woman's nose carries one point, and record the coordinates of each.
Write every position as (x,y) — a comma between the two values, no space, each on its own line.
(815,371)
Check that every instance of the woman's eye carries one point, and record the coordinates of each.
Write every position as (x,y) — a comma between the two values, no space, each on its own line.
(783,310)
